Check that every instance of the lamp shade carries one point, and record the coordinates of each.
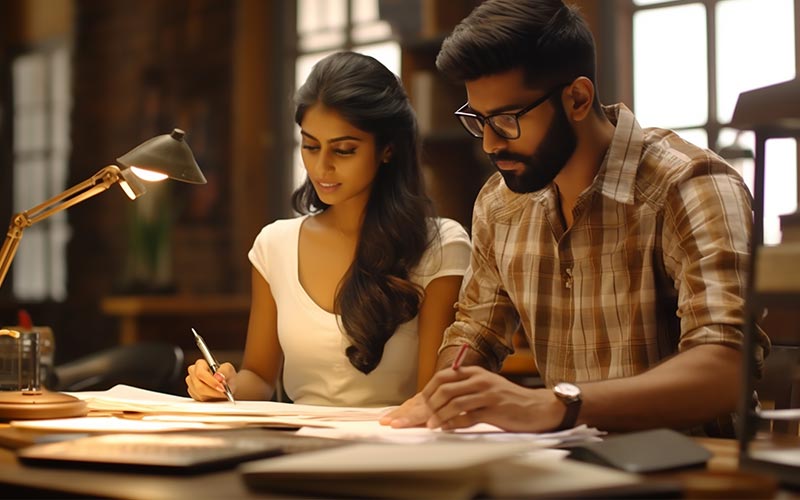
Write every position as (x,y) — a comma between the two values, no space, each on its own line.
(166,154)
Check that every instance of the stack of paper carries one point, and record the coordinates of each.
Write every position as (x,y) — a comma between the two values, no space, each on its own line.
(131,399)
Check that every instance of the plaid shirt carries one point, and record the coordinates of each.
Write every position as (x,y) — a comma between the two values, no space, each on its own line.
(656,262)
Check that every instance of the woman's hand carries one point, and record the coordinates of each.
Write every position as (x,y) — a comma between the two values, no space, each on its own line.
(203,385)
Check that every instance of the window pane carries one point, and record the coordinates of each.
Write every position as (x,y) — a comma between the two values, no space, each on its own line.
(780,177)
(670,65)
(365,11)
(366,33)
(780,184)
(30,270)
(755,48)
(388,53)
(697,136)
(318,15)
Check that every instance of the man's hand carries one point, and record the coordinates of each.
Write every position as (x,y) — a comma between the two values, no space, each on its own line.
(460,398)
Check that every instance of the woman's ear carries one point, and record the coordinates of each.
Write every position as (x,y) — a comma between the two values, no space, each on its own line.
(386,157)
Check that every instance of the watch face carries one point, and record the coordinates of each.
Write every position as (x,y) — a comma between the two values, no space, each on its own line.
(567,390)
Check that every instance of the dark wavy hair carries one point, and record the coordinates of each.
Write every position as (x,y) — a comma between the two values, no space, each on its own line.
(548,39)
(376,295)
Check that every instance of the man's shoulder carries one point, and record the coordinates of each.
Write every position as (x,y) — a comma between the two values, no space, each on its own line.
(668,161)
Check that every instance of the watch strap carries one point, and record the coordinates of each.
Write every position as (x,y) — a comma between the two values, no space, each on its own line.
(571,415)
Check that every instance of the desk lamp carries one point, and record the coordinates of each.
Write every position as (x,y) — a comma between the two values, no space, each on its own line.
(162,157)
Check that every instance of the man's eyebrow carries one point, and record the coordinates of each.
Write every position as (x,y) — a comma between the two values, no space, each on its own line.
(501,109)
(335,139)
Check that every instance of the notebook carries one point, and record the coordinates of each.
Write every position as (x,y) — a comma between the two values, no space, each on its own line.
(180,452)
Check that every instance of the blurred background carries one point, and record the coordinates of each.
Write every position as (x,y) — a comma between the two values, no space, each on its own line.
(84,81)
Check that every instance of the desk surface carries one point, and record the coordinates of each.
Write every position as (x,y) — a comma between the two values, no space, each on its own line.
(21,480)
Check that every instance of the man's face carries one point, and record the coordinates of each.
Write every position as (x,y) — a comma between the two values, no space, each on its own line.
(546,139)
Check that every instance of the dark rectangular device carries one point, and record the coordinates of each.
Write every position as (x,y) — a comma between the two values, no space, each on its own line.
(644,451)
(175,453)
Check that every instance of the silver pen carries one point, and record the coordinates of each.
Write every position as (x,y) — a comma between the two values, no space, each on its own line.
(201,344)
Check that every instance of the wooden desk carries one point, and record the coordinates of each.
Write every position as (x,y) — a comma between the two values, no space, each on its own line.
(23,481)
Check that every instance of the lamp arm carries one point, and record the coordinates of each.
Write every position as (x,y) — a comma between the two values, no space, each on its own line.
(96,184)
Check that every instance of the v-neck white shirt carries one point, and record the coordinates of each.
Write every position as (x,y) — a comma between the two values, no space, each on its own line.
(316,369)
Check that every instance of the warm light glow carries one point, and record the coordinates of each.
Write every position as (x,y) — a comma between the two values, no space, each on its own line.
(127,188)
(148,175)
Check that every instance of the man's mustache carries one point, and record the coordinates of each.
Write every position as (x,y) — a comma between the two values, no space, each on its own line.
(508,156)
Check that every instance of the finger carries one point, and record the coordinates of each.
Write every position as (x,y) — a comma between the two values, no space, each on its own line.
(466,382)
(227,370)
(412,413)
(465,420)
(195,391)
(444,377)
(205,383)
(457,406)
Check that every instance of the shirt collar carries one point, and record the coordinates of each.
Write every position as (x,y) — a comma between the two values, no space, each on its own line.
(617,176)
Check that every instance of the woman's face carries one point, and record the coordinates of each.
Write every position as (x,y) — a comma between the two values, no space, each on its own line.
(340,159)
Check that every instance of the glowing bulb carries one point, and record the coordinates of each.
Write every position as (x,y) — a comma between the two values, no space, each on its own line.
(148,175)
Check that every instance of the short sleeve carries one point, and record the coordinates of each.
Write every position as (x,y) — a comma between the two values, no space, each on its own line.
(275,246)
(258,254)
(447,255)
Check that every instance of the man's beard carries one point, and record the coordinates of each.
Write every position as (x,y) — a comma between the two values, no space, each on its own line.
(546,162)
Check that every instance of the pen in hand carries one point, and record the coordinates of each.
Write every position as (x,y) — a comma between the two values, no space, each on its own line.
(212,363)
(460,356)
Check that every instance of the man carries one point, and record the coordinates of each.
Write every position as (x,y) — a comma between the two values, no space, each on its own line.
(622,252)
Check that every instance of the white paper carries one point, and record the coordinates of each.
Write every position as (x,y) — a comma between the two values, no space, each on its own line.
(109,424)
(374,431)
(132,399)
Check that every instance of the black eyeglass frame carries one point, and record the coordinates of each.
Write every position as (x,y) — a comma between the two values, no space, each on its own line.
(462,115)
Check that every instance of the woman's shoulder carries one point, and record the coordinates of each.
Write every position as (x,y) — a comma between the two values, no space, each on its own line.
(281,227)
(449,230)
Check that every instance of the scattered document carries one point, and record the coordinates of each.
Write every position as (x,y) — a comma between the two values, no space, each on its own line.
(132,399)
(109,425)
(375,432)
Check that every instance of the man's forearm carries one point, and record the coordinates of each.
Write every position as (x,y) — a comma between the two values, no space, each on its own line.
(688,389)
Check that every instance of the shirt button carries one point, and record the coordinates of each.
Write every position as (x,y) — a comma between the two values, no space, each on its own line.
(568,278)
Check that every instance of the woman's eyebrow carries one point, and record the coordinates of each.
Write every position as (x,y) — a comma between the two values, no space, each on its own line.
(335,139)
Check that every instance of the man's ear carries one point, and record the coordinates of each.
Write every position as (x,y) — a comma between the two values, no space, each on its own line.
(579,98)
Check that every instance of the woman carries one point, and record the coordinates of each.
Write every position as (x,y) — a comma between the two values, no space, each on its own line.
(351,297)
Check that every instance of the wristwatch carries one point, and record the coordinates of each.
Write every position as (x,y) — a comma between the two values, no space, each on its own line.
(570,395)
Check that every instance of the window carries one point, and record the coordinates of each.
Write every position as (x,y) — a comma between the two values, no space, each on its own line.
(41,108)
(326,26)
(692,59)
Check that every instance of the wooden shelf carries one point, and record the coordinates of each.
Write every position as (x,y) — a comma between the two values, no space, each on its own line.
(136,311)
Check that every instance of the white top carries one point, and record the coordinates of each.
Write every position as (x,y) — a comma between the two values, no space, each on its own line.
(316,369)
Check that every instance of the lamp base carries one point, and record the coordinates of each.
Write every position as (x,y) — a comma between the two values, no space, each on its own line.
(33,405)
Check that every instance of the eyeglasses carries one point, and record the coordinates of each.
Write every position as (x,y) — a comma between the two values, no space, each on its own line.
(506,125)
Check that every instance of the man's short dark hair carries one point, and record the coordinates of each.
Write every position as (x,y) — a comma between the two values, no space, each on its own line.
(547,38)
